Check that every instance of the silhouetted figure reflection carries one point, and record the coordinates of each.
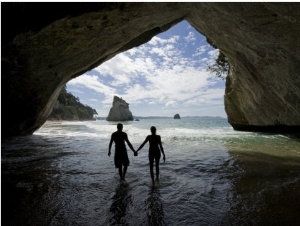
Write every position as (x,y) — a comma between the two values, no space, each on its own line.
(121,157)
(121,200)
(155,211)
(154,151)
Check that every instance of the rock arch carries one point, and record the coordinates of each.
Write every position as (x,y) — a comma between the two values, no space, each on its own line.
(43,50)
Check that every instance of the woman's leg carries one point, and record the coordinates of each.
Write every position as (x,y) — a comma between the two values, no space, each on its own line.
(120,172)
(157,158)
(151,161)
(124,172)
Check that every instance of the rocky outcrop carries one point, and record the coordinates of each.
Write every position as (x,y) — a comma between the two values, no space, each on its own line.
(119,111)
(41,51)
(68,107)
(176,116)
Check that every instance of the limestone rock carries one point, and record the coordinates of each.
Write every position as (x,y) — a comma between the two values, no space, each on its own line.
(176,116)
(119,111)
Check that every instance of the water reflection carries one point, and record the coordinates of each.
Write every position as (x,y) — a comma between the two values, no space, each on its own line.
(121,201)
(265,183)
(30,194)
(154,206)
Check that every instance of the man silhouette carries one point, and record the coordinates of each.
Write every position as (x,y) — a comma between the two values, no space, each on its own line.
(121,157)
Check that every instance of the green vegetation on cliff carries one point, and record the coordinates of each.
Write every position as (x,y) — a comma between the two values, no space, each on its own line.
(221,66)
(68,107)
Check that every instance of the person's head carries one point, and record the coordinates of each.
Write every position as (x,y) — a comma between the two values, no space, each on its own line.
(120,126)
(153,129)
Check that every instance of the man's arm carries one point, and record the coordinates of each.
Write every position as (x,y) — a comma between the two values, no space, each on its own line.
(110,144)
(129,144)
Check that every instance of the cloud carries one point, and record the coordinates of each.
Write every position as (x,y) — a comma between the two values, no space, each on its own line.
(151,102)
(191,37)
(93,100)
(76,90)
(171,104)
(92,82)
(201,50)
(160,41)
(213,54)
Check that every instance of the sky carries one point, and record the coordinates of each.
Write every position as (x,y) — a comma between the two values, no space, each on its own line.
(163,77)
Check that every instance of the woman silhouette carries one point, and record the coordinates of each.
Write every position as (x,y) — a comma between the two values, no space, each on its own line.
(154,151)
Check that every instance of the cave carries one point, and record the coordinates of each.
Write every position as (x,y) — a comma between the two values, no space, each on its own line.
(45,45)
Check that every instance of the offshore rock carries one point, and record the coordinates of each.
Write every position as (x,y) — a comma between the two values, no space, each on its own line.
(119,111)
(176,116)
(41,51)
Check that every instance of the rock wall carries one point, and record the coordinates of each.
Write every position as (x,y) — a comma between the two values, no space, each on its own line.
(42,51)
(119,111)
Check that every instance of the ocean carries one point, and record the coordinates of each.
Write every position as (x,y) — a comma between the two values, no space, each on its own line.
(213,175)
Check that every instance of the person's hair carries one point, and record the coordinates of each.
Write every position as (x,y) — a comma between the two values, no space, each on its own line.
(120,126)
(153,129)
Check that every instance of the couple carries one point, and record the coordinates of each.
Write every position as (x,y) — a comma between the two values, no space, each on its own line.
(121,157)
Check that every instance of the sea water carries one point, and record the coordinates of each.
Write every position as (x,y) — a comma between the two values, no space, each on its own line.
(213,175)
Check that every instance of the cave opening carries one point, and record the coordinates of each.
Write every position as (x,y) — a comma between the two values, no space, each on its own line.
(167,75)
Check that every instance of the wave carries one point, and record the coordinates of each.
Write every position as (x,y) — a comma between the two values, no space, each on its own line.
(138,131)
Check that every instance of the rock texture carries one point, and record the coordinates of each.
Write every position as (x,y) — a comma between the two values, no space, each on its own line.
(119,111)
(176,116)
(41,51)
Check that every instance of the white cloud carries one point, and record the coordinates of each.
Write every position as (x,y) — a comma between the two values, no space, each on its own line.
(213,53)
(94,100)
(158,51)
(191,37)
(171,103)
(76,90)
(151,102)
(92,82)
(160,41)
(201,50)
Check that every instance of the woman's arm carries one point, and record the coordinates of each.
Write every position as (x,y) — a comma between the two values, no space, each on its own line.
(142,145)
(161,148)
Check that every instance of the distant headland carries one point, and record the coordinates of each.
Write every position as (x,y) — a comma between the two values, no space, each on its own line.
(69,108)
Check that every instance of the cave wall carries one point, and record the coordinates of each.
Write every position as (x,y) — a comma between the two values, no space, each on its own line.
(42,54)
(261,42)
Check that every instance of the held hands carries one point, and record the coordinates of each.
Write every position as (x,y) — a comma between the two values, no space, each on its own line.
(109,153)
(136,152)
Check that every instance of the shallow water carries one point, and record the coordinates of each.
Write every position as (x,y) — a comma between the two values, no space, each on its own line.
(213,175)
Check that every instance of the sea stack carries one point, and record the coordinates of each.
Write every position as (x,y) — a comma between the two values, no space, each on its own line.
(119,111)
(177,116)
